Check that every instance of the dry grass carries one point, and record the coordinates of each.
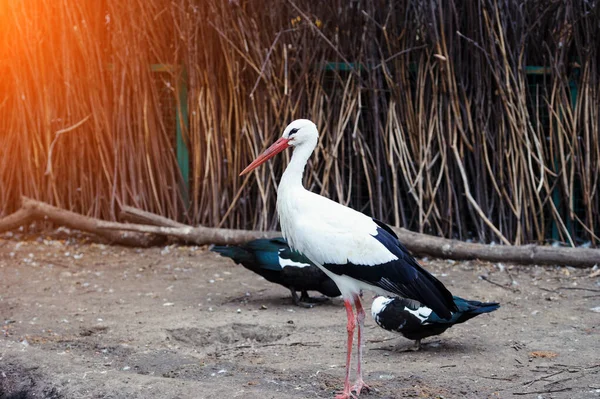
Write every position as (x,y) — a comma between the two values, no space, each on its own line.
(426,111)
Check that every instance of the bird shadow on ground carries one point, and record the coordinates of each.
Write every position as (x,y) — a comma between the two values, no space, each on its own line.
(281,302)
(405,347)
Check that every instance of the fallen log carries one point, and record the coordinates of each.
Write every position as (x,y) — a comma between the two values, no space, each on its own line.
(143,235)
(20,218)
(139,216)
(420,244)
(32,210)
(197,235)
(423,244)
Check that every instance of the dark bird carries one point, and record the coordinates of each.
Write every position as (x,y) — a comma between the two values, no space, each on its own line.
(276,262)
(355,250)
(416,321)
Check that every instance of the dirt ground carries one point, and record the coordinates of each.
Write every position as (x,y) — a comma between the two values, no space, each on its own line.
(80,319)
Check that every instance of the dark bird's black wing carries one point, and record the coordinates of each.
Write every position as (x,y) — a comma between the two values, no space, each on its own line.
(416,321)
(278,263)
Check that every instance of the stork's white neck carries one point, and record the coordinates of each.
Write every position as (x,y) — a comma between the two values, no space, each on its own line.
(291,190)
(292,176)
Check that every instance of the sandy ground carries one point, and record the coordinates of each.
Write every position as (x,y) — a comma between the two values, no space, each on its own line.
(86,320)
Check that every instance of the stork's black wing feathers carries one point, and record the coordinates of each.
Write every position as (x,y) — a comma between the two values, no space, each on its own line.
(403,276)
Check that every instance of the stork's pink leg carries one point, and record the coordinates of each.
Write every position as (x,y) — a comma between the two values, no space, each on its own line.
(347,393)
(360,316)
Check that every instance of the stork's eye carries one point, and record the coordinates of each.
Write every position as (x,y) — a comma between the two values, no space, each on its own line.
(294,130)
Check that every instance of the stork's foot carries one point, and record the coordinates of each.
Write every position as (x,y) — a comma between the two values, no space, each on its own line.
(360,387)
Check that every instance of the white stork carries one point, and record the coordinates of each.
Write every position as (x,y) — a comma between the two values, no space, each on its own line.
(356,251)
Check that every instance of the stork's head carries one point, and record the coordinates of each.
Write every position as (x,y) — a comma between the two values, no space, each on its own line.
(299,133)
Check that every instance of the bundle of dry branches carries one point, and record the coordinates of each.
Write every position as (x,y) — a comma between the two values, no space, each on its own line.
(429,116)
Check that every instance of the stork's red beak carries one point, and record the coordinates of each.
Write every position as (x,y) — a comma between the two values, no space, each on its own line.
(269,153)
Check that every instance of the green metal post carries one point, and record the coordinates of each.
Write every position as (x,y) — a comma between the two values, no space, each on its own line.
(183,125)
